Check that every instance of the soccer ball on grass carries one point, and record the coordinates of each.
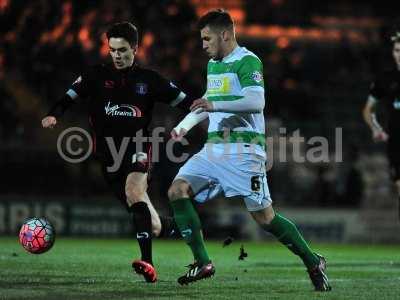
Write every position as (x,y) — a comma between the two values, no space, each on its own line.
(37,235)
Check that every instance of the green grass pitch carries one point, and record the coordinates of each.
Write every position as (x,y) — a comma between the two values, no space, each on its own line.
(100,269)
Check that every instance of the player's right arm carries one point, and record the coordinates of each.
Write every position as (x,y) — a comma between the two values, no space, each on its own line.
(369,115)
(57,111)
(192,119)
(80,88)
(49,122)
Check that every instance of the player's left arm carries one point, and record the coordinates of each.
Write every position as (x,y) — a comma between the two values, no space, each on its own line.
(369,115)
(377,91)
(250,75)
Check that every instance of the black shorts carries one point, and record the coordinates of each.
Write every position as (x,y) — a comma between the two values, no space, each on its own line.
(393,150)
(132,161)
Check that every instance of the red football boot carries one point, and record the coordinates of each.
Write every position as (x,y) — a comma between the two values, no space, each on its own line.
(146,269)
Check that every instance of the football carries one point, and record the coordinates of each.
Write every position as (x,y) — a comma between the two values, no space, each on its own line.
(37,235)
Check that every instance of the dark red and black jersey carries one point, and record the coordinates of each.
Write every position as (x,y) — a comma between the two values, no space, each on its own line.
(386,89)
(120,102)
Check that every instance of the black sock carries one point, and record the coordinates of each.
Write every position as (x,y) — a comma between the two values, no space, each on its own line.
(142,222)
(168,227)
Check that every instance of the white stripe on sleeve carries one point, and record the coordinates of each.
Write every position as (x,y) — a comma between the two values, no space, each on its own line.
(72,94)
(178,99)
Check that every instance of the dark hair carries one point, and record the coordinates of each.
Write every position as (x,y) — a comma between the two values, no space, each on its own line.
(216,19)
(125,30)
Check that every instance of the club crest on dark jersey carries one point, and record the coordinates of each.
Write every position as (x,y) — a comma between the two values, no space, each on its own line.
(122,110)
(141,88)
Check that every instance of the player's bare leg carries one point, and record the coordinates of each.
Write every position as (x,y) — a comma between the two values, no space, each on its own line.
(155,218)
(286,232)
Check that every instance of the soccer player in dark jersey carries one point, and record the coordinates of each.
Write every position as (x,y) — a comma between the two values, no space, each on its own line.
(120,98)
(385,91)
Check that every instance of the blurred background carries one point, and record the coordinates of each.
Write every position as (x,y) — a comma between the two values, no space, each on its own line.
(319,60)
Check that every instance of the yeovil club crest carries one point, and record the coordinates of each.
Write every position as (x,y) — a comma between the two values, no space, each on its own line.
(141,88)
(257,76)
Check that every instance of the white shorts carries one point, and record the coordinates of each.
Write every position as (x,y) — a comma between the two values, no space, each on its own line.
(230,175)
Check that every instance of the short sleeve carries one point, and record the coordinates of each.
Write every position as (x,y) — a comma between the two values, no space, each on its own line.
(250,72)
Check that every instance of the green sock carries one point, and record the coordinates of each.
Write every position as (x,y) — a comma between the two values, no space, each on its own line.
(189,225)
(286,232)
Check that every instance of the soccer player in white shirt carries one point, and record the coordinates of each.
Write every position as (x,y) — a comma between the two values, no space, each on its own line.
(232,162)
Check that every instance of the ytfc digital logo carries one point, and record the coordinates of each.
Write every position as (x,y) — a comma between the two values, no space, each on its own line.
(75,145)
